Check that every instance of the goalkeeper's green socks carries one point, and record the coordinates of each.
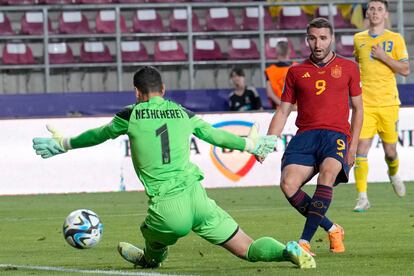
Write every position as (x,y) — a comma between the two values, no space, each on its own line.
(266,249)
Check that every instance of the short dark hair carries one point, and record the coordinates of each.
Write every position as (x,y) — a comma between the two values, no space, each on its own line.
(148,79)
(318,23)
(238,71)
(385,2)
(282,48)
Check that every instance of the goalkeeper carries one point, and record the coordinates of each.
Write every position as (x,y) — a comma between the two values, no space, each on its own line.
(159,132)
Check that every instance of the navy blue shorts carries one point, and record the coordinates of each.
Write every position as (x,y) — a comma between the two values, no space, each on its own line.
(312,147)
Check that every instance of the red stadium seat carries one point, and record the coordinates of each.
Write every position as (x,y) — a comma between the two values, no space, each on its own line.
(95,52)
(207,49)
(304,48)
(105,22)
(147,21)
(270,47)
(178,21)
(73,22)
(60,53)
(133,51)
(94,1)
(169,50)
(52,2)
(220,19)
(243,48)
(206,1)
(250,19)
(168,1)
(17,53)
(345,45)
(32,23)
(292,17)
(20,2)
(5,26)
(132,1)
(339,20)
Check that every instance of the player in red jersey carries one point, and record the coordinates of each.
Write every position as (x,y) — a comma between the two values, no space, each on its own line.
(325,143)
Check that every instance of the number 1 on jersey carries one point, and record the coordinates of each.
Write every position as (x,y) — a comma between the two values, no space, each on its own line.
(165,143)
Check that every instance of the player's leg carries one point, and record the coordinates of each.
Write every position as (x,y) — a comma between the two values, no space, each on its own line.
(361,175)
(321,199)
(166,222)
(218,227)
(267,249)
(389,137)
(369,129)
(154,252)
(298,168)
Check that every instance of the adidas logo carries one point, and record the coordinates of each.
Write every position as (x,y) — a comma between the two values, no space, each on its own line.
(306,75)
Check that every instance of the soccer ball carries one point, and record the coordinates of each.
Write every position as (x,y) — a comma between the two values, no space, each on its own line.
(82,229)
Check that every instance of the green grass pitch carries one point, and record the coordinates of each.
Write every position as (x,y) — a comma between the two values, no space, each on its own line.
(378,242)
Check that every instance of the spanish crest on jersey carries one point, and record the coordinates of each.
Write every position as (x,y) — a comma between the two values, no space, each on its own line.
(336,71)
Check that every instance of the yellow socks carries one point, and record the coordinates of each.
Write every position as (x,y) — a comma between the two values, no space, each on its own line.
(392,166)
(361,173)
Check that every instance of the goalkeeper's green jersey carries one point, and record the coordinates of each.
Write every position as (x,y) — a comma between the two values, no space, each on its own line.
(159,132)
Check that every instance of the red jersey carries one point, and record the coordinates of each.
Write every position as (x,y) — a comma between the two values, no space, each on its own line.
(322,93)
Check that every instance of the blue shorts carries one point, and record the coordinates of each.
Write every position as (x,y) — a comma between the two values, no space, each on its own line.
(312,147)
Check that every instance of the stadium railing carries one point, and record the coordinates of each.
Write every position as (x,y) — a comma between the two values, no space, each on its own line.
(188,37)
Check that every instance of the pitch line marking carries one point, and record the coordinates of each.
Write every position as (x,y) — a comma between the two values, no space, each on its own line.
(83,271)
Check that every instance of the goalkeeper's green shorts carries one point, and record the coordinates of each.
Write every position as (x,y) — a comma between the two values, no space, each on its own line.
(172,218)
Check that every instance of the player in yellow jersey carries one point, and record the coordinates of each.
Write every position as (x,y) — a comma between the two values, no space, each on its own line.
(381,54)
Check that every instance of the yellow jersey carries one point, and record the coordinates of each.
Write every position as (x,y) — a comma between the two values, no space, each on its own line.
(379,86)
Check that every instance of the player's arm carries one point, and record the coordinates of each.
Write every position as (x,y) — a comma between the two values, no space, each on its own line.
(357,116)
(398,62)
(48,147)
(279,119)
(356,125)
(398,66)
(96,136)
(253,143)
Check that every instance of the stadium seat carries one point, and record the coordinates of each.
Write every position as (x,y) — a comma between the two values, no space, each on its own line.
(250,19)
(345,45)
(19,2)
(220,19)
(178,21)
(73,22)
(132,1)
(32,23)
(133,51)
(168,1)
(304,48)
(206,1)
(169,50)
(292,17)
(243,48)
(207,49)
(5,26)
(60,53)
(94,1)
(105,22)
(339,20)
(95,52)
(270,47)
(52,2)
(147,21)
(17,53)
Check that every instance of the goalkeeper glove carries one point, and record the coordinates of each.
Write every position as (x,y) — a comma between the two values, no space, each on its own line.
(48,147)
(259,145)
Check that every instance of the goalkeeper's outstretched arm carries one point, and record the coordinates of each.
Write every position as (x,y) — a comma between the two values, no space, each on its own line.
(57,144)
